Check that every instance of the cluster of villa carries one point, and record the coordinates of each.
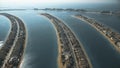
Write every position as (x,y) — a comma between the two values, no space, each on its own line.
(12,50)
(72,53)
(112,35)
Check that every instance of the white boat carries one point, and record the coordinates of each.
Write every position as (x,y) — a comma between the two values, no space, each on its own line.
(1,43)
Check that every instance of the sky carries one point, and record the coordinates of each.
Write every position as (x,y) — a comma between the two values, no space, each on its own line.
(26,3)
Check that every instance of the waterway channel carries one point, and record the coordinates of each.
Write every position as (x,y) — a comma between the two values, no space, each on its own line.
(41,50)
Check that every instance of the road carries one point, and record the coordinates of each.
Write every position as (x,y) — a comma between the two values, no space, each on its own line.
(14,53)
(110,34)
(72,51)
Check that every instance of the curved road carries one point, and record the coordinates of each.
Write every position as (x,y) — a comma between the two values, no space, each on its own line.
(72,53)
(107,32)
(12,51)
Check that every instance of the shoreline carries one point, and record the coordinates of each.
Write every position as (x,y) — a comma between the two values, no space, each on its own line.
(14,35)
(115,47)
(82,47)
(80,44)
(19,42)
(60,65)
(59,62)
(8,31)
(19,66)
(78,61)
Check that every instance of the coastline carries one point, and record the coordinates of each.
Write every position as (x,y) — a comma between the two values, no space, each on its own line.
(8,31)
(24,41)
(79,43)
(60,65)
(14,42)
(81,46)
(59,62)
(115,47)
(24,47)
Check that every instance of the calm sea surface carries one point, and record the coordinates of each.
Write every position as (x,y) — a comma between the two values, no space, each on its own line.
(42,48)
(101,53)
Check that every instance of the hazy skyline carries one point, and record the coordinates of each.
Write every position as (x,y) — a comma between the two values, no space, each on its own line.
(32,3)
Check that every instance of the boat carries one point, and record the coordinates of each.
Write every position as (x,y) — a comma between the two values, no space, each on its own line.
(1,43)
